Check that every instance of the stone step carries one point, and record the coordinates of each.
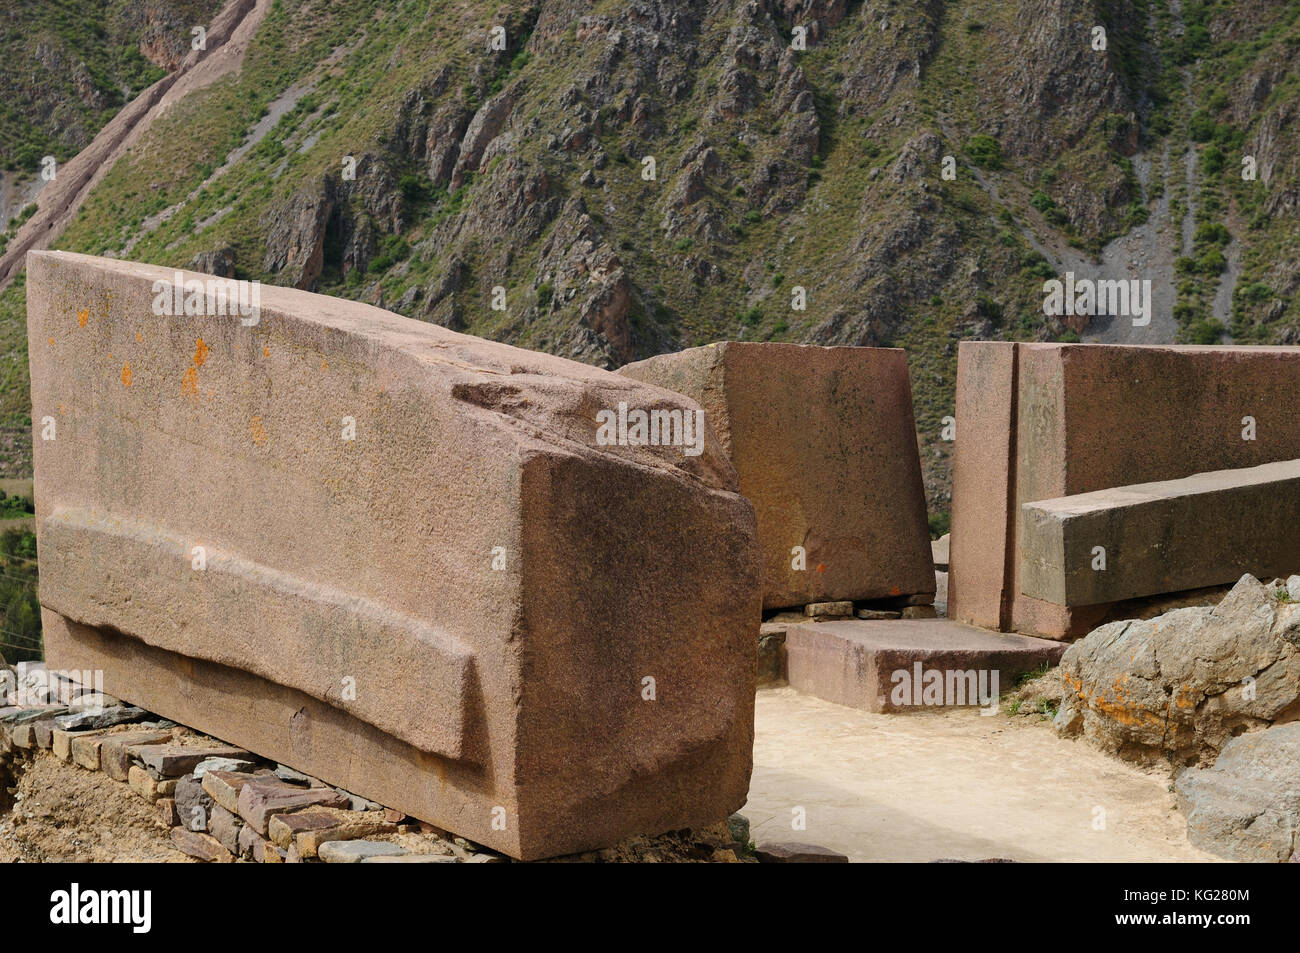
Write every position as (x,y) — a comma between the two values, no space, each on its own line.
(910,664)
(1150,538)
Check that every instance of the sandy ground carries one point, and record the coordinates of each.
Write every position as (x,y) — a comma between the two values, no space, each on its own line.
(953,784)
(64,813)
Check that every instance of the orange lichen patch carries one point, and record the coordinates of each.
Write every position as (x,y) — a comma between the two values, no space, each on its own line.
(200,353)
(257,431)
(51,342)
(190,382)
(821,567)
(126,374)
(139,337)
(266,352)
(895,591)
(324,366)
(83,316)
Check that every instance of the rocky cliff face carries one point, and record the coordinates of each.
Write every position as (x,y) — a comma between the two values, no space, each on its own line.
(612,180)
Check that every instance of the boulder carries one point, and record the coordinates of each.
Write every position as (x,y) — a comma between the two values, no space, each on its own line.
(1247,806)
(1179,686)
(392,556)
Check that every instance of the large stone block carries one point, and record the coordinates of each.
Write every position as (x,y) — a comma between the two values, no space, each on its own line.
(1042,421)
(979,584)
(392,557)
(1149,538)
(890,666)
(824,443)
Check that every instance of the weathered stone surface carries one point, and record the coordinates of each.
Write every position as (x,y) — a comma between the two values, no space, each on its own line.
(43,730)
(85,750)
(282,828)
(147,786)
(167,812)
(203,846)
(225,827)
(313,826)
(100,717)
(173,761)
(33,727)
(829,610)
(193,804)
(259,799)
(257,848)
(983,480)
(224,787)
(824,443)
(1180,685)
(355,851)
(61,744)
(95,701)
(349,825)
(1202,530)
(780,852)
(1247,806)
(372,559)
(1041,421)
(879,614)
(887,666)
(236,765)
(115,751)
(771,653)
(425,859)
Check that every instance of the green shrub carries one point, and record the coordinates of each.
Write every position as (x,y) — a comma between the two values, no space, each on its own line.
(984,151)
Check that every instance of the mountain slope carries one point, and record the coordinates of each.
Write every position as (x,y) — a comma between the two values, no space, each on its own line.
(775,168)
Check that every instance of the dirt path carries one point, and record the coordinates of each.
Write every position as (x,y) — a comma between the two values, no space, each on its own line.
(59,201)
(952,784)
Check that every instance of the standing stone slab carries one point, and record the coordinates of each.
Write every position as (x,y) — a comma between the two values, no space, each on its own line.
(1042,421)
(983,470)
(824,443)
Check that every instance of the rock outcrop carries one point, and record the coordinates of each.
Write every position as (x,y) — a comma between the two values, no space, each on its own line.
(1182,685)
(1247,807)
